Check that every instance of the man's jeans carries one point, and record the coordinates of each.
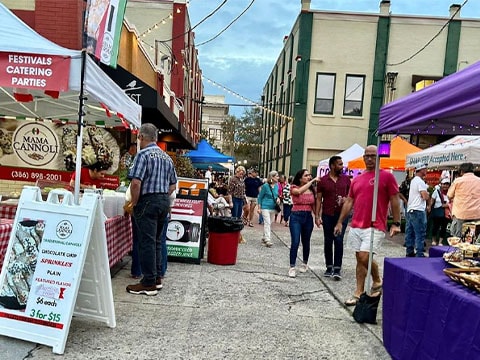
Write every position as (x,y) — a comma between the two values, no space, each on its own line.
(415,232)
(301,227)
(136,269)
(150,215)
(333,247)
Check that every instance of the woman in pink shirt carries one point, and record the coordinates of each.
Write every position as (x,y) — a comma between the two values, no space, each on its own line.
(301,219)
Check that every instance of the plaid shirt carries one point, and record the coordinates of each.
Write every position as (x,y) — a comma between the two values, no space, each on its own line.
(154,168)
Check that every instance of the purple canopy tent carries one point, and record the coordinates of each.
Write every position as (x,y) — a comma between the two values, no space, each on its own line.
(451,106)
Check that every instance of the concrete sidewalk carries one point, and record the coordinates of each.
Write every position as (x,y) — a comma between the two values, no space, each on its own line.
(251,310)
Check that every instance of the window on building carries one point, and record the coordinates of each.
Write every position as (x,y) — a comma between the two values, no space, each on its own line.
(353,103)
(324,94)
(215,134)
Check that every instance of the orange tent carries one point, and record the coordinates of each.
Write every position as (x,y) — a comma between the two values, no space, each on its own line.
(399,150)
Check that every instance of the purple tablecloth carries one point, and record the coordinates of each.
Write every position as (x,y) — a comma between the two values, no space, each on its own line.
(426,315)
(438,251)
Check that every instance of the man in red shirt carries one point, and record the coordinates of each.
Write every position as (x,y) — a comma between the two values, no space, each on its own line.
(360,198)
(332,189)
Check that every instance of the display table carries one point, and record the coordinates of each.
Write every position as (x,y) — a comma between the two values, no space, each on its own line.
(426,315)
(438,251)
(5,230)
(7,211)
(119,238)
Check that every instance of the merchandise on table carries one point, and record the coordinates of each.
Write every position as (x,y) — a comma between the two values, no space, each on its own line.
(467,277)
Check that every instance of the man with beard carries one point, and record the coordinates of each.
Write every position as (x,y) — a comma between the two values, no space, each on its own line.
(332,190)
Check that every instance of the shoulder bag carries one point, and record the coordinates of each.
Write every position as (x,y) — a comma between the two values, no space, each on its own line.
(277,207)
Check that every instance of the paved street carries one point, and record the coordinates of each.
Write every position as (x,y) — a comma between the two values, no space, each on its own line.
(251,310)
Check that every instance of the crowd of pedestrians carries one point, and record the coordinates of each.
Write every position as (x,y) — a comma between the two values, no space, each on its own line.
(301,202)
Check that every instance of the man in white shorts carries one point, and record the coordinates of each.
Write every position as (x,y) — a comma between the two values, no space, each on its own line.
(360,198)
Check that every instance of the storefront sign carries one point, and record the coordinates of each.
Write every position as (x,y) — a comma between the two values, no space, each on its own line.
(34,71)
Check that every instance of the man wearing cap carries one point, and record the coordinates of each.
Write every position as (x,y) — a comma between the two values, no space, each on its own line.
(438,207)
(465,193)
(416,229)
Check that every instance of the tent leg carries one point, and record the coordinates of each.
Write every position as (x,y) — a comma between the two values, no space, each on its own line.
(374,217)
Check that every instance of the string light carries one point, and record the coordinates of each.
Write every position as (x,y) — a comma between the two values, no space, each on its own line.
(155,26)
(270,111)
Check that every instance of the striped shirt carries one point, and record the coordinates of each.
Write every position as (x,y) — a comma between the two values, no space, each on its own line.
(154,168)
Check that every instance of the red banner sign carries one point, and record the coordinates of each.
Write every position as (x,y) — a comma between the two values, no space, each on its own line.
(34,71)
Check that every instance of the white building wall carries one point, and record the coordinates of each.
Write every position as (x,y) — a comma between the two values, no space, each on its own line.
(341,45)
(345,43)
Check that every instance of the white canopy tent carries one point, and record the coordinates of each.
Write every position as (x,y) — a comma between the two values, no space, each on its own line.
(448,154)
(351,153)
(100,95)
(18,37)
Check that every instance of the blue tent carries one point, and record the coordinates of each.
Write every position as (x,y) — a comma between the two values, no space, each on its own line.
(215,167)
(205,153)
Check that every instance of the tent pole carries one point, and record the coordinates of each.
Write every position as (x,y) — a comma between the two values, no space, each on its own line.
(374,217)
(80,124)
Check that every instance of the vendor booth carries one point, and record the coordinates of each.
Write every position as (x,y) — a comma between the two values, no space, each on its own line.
(56,251)
(425,314)
(205,154)
(347,155)
(399,149)
(43,108)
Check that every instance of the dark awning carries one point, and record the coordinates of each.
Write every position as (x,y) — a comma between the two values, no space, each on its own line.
(154,108)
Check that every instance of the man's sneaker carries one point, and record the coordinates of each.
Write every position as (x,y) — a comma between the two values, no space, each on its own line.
(303,268)
(336,275)
(292,273)
(328,272)
(140,289)
(268,243)
(158,283)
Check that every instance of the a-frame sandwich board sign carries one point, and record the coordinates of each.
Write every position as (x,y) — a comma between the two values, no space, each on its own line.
(56,265)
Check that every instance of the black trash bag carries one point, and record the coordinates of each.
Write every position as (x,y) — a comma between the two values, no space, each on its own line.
(366,309)
(224,224)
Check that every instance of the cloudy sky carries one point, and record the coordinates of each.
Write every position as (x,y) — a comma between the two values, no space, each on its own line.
(243,56)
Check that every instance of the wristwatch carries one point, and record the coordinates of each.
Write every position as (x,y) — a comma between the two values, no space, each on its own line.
(396,223)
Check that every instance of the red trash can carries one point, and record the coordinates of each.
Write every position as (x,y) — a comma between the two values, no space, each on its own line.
(223,238)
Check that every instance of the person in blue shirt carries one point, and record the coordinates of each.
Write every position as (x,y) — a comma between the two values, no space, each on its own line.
(153,179)
(267,200)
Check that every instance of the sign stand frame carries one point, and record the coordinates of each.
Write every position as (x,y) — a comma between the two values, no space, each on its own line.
(61,282)
(200,198)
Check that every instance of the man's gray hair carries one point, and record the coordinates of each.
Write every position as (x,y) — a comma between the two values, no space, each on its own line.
(149,132)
